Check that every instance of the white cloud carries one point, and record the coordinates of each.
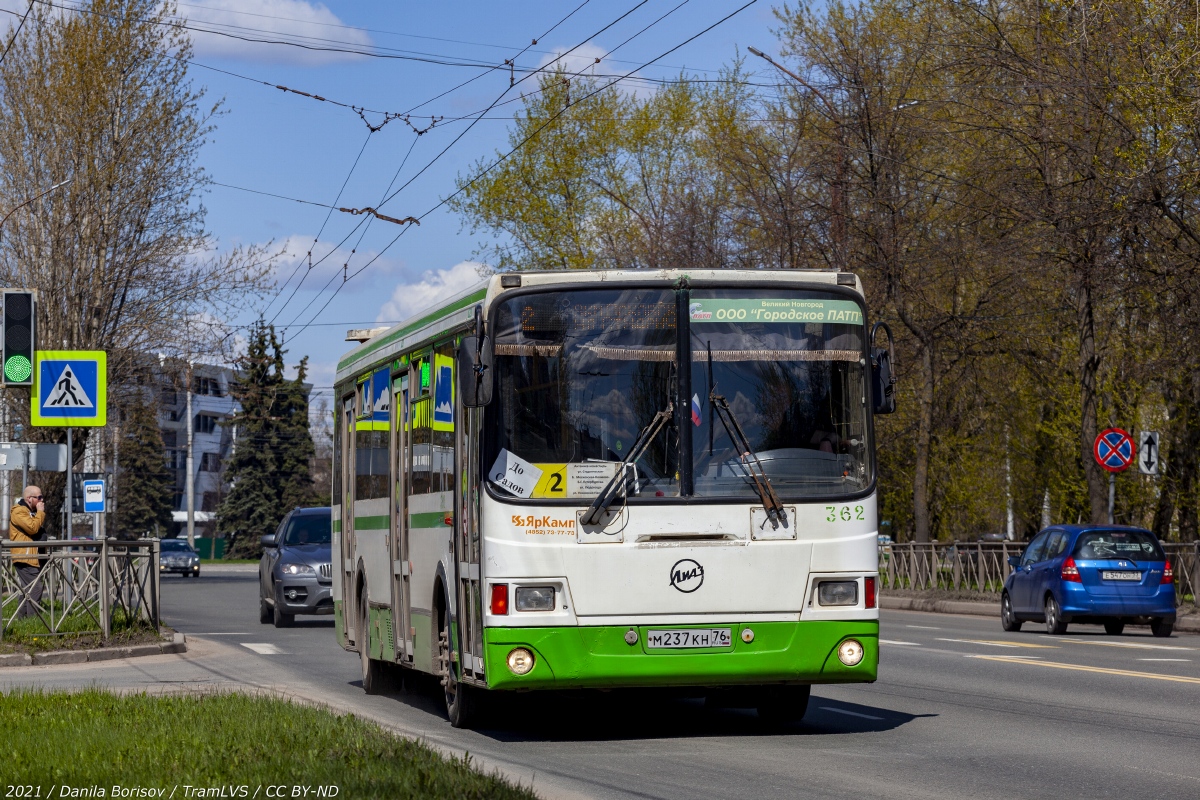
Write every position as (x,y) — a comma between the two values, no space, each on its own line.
(279,20)
(434,286)
(582,59)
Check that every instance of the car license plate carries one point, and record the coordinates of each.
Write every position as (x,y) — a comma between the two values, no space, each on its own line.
(691,637)
(1113,575)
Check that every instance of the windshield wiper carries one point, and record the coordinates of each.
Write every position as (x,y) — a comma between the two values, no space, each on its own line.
(762,484)
(608,494)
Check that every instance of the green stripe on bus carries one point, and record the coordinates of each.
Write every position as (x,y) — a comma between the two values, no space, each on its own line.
(421,323)
(432,519)
(380,523)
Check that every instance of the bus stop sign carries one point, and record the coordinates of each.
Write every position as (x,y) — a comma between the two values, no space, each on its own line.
(1114,450)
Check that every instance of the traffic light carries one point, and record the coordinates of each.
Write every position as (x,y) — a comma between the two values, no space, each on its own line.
(18,328)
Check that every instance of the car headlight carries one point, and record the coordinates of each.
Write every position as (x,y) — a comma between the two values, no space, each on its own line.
(298,569)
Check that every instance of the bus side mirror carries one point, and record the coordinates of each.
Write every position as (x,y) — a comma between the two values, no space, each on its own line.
(474,365)
(883,380)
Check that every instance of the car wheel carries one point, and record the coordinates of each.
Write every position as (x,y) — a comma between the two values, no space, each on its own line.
(1114,627)
(378,677)
(265,614)
(460,698)
(782,704)
(1054,620)
(1008,618)
(1161,627)
(281,619)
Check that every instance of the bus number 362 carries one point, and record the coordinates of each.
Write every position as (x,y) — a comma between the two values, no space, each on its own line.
(845,514)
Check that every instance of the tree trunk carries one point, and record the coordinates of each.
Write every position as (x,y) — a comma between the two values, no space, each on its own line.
(1089,368)
(924,439)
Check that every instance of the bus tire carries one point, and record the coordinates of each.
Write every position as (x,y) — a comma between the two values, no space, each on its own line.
(782,704)
(378,677)
(461,702)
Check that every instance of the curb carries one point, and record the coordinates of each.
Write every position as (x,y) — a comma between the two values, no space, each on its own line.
(178,644)
(1187,624)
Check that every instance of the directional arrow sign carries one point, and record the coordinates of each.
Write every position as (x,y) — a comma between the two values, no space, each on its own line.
(1114,450)
(1149,457)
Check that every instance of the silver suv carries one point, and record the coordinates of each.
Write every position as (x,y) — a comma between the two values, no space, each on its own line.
(294,575)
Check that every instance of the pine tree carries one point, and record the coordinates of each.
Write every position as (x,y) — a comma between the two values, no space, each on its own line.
(145,486)
(269,467)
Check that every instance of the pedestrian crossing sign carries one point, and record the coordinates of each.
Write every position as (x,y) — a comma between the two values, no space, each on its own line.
(70,388)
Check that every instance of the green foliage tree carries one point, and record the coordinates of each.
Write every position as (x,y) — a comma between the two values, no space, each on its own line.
(1016,183)
(144,486)
(269,469)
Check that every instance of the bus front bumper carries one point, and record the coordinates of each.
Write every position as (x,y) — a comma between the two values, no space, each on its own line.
(600,657)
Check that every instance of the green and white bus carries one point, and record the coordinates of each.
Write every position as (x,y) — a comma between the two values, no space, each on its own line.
(615,479)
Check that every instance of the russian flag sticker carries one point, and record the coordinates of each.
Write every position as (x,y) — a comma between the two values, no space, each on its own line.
(696,410)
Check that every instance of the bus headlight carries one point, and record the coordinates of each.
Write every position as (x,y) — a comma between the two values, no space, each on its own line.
(520,661)
(535,598)
(837,593)
(850,652)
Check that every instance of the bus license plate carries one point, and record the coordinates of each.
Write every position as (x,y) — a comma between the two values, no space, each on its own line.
(1111,575)
(692,637)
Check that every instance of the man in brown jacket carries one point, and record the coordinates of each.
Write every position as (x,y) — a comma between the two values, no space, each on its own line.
(25,525)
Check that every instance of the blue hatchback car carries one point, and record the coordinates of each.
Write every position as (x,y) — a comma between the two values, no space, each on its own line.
(1107,574)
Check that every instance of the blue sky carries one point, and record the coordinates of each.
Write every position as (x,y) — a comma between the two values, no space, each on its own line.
(286,144)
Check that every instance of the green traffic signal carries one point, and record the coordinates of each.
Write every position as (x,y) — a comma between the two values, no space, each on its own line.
(18,369)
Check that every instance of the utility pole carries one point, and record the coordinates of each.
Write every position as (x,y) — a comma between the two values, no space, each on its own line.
(190,480)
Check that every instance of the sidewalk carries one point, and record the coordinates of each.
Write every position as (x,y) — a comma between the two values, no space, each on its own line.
(1189,623)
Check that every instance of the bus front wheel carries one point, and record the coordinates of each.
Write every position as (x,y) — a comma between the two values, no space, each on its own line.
(460,698)
(780,704)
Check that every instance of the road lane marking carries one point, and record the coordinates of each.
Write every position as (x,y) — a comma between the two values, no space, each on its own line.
(1102,670)
(1128,644)
(220,633)
(263,648)
(1165,659)
(980,655)
(924,627)
(849,713)
(994,643)
(906,644)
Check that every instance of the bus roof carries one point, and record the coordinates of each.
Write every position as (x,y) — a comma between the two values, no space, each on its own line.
(459,309)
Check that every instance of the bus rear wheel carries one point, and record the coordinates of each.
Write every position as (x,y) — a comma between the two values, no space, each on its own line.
(780,704)
(378,677)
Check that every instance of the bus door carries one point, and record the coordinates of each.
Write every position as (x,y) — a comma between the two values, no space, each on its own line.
(466,538)
(346,552)
(401,559)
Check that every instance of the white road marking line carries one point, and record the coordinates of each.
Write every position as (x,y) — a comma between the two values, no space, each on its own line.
(220,633)
(994,643)
(906,644)
(924,627)
(263,648)
(1133,645)
(1164,659)
(976,655)
(849,713)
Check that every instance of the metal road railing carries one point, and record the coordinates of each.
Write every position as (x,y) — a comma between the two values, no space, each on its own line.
(87,586)
(983,566)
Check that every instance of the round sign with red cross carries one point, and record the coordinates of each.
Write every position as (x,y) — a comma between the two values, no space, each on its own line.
(1114,450)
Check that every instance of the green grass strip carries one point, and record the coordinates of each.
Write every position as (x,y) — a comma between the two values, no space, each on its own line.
(95,738)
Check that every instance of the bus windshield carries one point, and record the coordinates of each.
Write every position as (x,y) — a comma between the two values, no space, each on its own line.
(581,372)
(791,366)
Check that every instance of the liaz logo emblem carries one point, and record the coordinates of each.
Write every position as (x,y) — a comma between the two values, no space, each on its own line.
(687,575)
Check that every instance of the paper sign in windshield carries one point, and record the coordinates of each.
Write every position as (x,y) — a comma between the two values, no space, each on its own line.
(775,310)
(588,478)
(514,474)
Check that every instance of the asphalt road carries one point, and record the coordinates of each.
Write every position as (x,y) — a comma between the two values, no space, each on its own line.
(961,709)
